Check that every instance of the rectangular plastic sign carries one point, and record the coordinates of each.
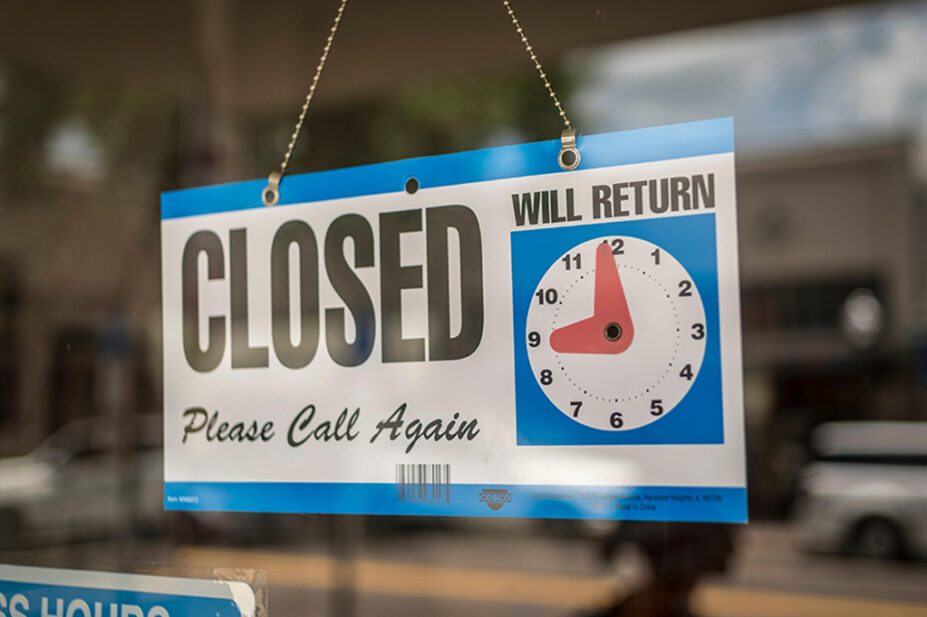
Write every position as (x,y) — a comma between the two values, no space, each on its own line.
(480,333)
(43,592)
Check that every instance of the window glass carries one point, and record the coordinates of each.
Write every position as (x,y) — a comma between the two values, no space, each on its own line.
(830,116)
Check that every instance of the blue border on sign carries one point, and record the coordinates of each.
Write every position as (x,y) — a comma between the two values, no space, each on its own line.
(698,418)
(648,503)
(604,150)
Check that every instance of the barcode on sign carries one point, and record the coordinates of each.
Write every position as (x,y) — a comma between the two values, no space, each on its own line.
(423,482)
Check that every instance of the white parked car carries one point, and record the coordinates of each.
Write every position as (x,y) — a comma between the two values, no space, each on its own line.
(867,490)
(79,482)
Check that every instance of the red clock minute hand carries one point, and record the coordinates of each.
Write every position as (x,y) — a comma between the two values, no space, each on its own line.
(609,330)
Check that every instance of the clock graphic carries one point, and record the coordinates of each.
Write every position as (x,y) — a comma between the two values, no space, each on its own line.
(616,333)
(618,339)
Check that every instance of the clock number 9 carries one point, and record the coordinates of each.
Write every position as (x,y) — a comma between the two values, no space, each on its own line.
(534,339)
(547,377)
(616,420)
(546,296)
(699,331)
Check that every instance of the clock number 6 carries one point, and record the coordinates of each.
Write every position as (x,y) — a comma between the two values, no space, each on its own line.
(616,420)
(547,377)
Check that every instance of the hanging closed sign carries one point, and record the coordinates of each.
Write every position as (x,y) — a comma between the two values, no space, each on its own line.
(481,333)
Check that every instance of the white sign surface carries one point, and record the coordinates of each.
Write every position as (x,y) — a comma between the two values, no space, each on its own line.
(510,339)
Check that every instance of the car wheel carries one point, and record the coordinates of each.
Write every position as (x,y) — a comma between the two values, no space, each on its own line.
(879,539)
(11,527)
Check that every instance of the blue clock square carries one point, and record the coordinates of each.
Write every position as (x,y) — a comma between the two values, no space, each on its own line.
(645,366)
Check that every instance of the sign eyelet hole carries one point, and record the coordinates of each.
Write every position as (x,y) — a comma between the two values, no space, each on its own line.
(270,197)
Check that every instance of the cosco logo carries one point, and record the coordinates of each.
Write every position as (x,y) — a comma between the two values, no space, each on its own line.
(495,498)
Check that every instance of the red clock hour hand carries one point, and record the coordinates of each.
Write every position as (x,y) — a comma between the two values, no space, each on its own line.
(610,301)
(609,330)
(584,336)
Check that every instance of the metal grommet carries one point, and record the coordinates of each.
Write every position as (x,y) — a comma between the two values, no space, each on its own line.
(271,194)
(613,332)
(569,156)
(411,186)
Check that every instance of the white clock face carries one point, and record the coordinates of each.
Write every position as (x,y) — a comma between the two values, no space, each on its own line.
(616,333)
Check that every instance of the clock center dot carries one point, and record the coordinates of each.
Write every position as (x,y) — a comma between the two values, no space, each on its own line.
(613,331)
